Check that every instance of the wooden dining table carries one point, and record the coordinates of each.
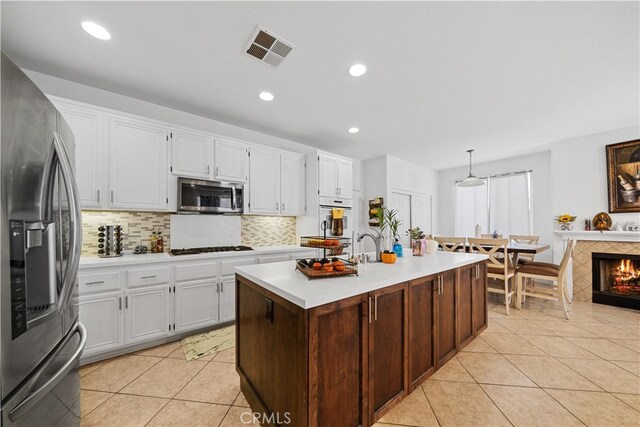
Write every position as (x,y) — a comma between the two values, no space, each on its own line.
(515,249)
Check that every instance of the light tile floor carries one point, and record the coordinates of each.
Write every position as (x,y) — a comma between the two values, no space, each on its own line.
(531,368)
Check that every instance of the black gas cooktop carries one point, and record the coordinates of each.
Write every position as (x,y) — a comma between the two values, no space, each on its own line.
(194,251)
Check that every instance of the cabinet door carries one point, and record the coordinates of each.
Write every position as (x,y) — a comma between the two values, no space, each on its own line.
(464,305)
(327,176)
(264,181)
(388,340)
(421,324)
(146,313)
(446,318)
(345,179)
(196,304)
(227,298)
(138,165)
(480,298)
(190,154)
(230,161)
(338,375)
(102,316)
(292,184)
(86,125)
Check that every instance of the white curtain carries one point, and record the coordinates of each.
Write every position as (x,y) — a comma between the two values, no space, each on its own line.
(471,209)
(503,205)
(509,205)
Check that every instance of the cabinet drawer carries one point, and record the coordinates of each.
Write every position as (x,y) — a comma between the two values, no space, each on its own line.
(194,271)
(227,267)
(90,283)
(147,276)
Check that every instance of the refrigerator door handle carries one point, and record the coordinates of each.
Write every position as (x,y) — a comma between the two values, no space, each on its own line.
(32,398)
(75,231)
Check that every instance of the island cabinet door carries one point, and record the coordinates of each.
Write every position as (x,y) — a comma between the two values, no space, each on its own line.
(464,297)
(445,317)
(421,333)
(388,345)
(271,349)
(338,347)
(480,297)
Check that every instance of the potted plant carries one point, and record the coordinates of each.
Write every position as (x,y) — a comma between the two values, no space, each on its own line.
(394,223)
(418,242)
(387,219)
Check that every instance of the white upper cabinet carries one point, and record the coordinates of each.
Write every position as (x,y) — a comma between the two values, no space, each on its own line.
(86,125)
(335,177)
(264,181)
(230,160)
(327,176)
(191,154)
(137,164)
(276,182)
(345,178)
(292,184)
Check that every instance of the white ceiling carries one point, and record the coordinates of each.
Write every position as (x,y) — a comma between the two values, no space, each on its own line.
(504,78)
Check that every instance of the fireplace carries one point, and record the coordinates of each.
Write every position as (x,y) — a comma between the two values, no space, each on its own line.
(616,279)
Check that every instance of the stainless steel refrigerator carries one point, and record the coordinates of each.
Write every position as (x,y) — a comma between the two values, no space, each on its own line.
(40,238)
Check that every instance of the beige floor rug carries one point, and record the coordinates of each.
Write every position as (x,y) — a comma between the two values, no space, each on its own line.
(200,345)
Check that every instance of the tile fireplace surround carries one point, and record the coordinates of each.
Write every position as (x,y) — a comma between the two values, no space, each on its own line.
(589,242)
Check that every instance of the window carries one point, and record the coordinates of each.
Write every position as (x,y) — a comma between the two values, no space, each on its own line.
(503,205)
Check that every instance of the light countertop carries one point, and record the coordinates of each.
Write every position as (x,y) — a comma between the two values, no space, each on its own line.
(128,259)
(284,280)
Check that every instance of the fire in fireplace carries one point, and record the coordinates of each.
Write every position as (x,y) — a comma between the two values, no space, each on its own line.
(616,279)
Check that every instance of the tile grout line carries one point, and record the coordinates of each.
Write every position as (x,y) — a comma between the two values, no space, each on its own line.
(430,405)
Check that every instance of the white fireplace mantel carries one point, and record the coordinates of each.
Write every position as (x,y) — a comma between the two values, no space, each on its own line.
(609,236)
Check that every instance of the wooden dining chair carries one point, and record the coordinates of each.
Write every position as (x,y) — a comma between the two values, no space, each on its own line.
(499,267)
(490,236)
(452,244)
(554,276)
(527,240)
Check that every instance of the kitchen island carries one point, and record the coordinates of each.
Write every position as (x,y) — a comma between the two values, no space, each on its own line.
(344,351)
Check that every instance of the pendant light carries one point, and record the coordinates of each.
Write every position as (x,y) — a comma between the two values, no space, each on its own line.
(471,180)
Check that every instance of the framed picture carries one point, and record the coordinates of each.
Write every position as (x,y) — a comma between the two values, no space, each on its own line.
(623,176)
(374,205)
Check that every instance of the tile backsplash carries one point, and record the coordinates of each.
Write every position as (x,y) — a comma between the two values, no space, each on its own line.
(268,230)
(255,230)
(141,225)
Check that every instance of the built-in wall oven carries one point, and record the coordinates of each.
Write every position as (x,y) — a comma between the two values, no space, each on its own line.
(213,197)
(325,213)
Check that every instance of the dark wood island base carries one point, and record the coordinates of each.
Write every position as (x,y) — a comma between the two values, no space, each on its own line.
(349,362)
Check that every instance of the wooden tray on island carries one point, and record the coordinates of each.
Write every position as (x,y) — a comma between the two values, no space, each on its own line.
(349,268)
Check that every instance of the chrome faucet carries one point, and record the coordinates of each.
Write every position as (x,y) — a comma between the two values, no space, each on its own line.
(377,240)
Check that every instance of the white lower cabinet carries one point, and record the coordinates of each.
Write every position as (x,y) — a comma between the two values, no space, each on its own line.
(196,304)
(227,298)
(102,316)
(147,314)
(133,304)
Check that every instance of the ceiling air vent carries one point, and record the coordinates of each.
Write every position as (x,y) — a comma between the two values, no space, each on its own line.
(268,48)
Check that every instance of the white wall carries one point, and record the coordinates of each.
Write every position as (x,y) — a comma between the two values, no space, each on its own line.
(579,173)
(542,192)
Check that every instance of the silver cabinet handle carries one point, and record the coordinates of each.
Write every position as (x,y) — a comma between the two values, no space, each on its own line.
(98,196)
(126,302)
(218,288)
(208,167)
(222,287)
(277,206)
(283,206)
(97,282)
(120,303)
(370,306)
(147,277)
(216,170)
(375,307)
(111,196)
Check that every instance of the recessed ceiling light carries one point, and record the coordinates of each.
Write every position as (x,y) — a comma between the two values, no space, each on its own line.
(266,96)
(354,130)
(96,30)
(357,70)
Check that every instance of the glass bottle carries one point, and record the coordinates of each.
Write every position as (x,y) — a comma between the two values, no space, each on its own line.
(160,242)
(154,243)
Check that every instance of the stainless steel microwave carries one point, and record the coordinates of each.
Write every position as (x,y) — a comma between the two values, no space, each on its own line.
(195,195)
